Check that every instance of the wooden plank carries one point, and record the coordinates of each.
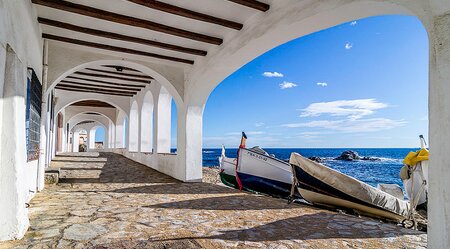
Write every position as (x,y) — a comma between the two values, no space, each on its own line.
(90,91)
(120,73)
(96,89)
(114,48)
(113,77)
(101,86)
(127,20)
(253,4)
(104,82)
(172,9)
(120,37)
(92,103)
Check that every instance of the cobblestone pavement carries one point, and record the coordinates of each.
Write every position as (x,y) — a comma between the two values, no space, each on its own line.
(107,201)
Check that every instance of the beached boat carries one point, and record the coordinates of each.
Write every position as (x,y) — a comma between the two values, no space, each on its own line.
(414,175)
(227,170)
(257,171)
(321,185)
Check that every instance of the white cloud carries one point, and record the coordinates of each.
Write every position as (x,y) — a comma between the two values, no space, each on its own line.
(272,74)
(286,85)
(351,126)
(259,124)
(353,109)
(348,45)
(322,84)
(353,23)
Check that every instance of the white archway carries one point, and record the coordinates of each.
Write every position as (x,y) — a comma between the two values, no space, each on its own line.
(157,75)
(134,128)
(147,123)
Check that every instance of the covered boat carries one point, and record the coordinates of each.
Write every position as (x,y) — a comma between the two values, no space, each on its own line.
(319,184)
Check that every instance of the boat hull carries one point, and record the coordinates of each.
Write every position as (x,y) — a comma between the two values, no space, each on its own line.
(324,186)
(228,180)
(264,185)
(264,174)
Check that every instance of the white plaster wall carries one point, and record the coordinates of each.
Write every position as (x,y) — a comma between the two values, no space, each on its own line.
(147,123)
(19,30)
(163,117)
(120,130)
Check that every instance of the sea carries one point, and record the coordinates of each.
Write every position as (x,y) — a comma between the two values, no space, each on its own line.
(384,170)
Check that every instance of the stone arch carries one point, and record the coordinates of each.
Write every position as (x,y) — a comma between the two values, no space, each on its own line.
(93,135)
(75,119)
(157,75)
(147,122)
(133,129)
(290,21)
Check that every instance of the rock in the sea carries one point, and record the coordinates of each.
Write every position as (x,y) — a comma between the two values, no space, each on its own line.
(316,159)
(368,158)
(348,155)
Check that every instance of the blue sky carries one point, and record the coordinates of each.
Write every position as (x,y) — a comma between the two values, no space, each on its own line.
(359,84)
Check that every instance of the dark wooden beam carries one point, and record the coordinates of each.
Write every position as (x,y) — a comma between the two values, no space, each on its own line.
(91,91)
(253,4)
(113,77)
(96,89)
(104,82)
(113,48)
(120,37)
(120,73)
(135,90)
(127,20)
(172,9)
(92,103)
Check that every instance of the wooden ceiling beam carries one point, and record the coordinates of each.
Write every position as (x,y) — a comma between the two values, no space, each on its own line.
(127,20)
(101,86)
(253,4)
(120,37)
(114,48)
(113,77)
(92,103)
(91,91)
(120,73)
(172,9)
(104,82)
(97,89)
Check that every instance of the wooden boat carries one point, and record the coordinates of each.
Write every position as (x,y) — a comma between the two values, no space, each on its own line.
(227,170)
(255,170)
(259,172)
(321,185)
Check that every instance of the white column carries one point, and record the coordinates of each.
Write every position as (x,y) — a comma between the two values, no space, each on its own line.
(189,143)
(75,141)
(162,119)
(439,120)
(13,186)
(91,138)
(44,127)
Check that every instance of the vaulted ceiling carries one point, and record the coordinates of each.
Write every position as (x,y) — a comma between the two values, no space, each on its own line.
(178,31)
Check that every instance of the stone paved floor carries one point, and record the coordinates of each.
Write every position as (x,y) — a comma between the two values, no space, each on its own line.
(108,201)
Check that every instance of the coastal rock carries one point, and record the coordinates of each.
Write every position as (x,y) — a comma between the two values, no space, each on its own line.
(316,159)
(368,158)
(348,155)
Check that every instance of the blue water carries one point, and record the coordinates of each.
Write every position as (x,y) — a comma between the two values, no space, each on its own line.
(371,172)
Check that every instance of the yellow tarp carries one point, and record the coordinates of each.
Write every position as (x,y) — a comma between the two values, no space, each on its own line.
(414,157)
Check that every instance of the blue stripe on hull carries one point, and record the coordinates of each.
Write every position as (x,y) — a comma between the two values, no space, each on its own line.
(265,185)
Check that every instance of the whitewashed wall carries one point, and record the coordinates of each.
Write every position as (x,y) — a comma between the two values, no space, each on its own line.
(20,47)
